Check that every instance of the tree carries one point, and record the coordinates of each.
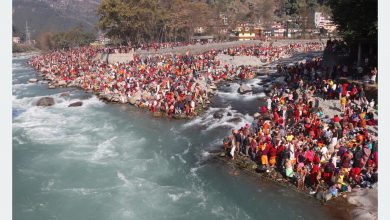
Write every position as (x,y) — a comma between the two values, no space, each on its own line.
(356,19)
(130,20)
(357,22)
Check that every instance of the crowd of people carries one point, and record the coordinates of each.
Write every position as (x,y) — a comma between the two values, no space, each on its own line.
(295,136)
(170,84)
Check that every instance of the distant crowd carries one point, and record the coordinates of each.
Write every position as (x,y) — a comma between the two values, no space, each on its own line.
(169,84)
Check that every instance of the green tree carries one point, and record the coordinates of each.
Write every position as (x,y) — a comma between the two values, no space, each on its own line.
(130,20)
(357,22)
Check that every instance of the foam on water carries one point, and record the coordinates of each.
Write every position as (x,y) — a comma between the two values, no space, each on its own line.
(177,196)
(105,150)
(207,121)
(232,93)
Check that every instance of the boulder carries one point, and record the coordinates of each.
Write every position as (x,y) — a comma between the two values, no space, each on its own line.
(244,88)
(157,114)
(280,80)
(33,80)
(218,114)
(132,100)
(213,87)
(52,87)
(45,101)
(76,104)
(122,99)
(235,120)
(229,114)
(62,83)
(65,94)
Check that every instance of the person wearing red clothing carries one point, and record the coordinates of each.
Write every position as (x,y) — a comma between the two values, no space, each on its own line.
(272,156)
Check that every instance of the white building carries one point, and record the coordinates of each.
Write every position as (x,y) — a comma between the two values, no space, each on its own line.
(246,36)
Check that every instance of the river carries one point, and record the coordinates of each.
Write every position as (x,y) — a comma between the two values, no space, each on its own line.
(111,161)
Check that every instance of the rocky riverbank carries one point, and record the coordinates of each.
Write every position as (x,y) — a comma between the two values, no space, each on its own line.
(339,207)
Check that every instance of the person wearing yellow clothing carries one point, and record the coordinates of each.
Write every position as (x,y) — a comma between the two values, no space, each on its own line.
(343,103)
(289,137)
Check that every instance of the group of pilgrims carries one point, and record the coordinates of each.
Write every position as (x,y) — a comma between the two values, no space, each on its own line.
(293,136)
(175,85)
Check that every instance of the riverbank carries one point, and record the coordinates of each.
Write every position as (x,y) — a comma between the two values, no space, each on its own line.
(338,207)
(179,86)
(358,204)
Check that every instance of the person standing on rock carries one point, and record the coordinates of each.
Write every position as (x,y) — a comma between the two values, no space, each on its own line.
(233,149)
(343,103)
(237,139)
(269,102)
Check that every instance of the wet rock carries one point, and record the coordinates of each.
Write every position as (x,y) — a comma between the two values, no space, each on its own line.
(45,101)
(76,104)
(213,87)
(62,83)
(235,120)
(229,114)
(267,89)
(280,80)
(244,88)
(157,114)
(327,197)
(52,86)
(33,80)
(132,100)
(122,99)
(218,114)
(65,94)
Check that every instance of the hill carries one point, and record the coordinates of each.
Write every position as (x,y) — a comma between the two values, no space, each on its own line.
(53,15)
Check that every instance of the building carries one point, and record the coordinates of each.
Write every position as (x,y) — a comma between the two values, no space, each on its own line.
(16,40)
(325,22)
(242,36)
(200,30)
(205,39)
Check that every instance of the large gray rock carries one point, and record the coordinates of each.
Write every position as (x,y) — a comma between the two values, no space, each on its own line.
(33,80)
(244,88)
(76,104)
(62,83)
(218,114)
(45,101)
(234,120)
(65,94)
(122,99)
(280,80)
